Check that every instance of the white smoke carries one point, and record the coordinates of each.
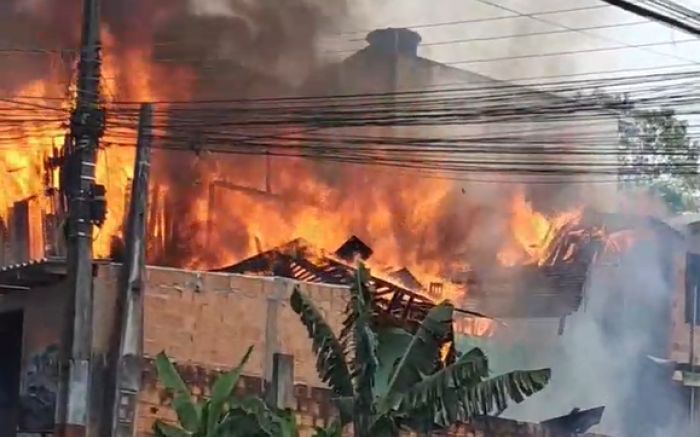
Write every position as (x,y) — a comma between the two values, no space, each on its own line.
(602,358)
(212,7)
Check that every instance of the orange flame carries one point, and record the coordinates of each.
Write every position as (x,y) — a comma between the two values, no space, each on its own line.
(475,326)
(130,75)
(24,149)
(233,212)
(533,232)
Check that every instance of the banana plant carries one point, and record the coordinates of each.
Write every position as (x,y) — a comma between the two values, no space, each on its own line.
(386,378)
(222,415)
(335,429)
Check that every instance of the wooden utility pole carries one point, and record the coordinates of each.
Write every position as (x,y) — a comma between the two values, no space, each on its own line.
(128,362)
(84,210)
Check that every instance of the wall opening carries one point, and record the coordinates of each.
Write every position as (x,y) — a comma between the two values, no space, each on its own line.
(10,368)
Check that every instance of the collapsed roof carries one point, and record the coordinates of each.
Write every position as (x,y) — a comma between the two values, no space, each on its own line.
(552,288)
(530,290)
(299,260)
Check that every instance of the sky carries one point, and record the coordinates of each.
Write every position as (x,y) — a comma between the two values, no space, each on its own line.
(671,50)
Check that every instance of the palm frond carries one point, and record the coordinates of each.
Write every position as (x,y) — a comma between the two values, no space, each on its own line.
(422,356)
(437,391)
(461,391)
(330,355)
(187,411)
(162,429)
(222,390)
(495,393)
(364,338)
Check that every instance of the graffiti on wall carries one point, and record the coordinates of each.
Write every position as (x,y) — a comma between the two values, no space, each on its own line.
(39,391)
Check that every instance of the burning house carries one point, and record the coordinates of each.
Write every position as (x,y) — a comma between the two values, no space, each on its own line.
(230,234)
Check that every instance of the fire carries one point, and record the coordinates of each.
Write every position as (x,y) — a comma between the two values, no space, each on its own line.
(475,326)
(25,145)
(129,74)
(210,210)
(533,232)
(244,216)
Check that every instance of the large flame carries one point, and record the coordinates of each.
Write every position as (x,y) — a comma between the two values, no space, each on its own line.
(533,232)
(129,74)
(212,210)
(26,144)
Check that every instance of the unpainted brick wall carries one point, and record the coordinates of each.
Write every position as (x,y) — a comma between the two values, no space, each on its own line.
(312,404)
(211,319)
(313,407)
(206,321)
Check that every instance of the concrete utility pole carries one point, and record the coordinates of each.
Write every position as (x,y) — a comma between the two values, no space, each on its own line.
(85,208)
(128,365)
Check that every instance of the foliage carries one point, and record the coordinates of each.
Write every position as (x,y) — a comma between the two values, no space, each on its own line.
(334,430)
(223,415)
(382,388)
(657,152)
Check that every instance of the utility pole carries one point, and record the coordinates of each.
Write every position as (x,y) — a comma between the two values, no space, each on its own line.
(86,208)
(130,350)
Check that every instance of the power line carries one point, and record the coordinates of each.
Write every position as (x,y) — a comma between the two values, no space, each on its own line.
(560,25)
(35,51)
(656,16)
(491,90)
(569,52)
(486,20)
(203,61)
(680,10)
(511,36)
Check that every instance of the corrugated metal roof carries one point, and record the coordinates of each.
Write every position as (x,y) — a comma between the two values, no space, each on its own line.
(31,273)
(10,267)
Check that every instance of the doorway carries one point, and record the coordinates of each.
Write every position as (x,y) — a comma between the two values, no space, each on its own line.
(10,368)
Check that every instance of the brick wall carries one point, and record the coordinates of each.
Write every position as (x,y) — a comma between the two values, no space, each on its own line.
(211,319)
(312,404)
(206,321)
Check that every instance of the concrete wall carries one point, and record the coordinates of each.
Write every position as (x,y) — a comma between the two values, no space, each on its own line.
(44,319)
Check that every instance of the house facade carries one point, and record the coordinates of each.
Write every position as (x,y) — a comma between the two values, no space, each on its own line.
(203,321)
